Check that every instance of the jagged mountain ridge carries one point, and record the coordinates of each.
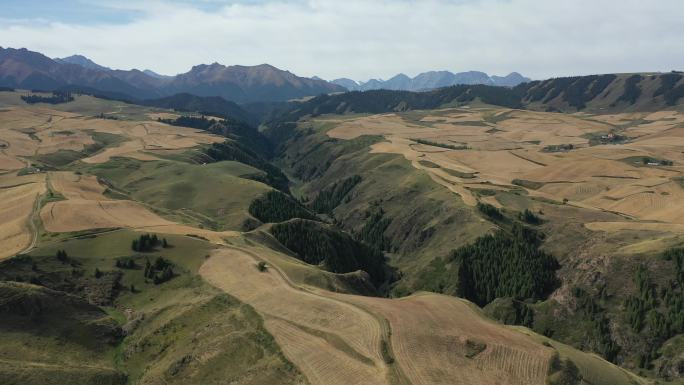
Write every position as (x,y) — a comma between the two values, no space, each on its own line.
(22,68)
(82,61)
(432,80)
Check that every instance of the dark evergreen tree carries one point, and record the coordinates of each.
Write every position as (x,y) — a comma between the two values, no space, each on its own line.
(62,256)
(275,206)
(317,243)
(490,211)
(331,197)
(505,265)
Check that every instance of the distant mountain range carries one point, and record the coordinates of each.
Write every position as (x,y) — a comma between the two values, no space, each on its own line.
(432,80)
(21,68)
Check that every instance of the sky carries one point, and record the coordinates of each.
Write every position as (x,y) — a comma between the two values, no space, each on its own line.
(358,39)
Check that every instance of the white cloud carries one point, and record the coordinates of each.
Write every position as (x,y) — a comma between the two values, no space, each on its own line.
(363,39)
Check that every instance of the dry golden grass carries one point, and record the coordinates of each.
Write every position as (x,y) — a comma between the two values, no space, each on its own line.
(433,338)
(162,115)
(151,136)
(398,145)
(78,214)
(332,342)
(29,131)
(74,186)
(87,208)
(376,125)
(18,195)
(336,338)
(504,145)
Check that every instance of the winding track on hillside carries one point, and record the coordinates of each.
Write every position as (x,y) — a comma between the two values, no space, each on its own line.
(32,224)
(332,342)
(326,334)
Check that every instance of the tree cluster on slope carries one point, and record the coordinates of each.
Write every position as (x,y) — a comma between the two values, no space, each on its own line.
(669,89)
(275,206)
(505,265)
(331,197)
(234,129)
(160,271)
(320,244)
(231,150)
(598,338)
(632,89)
(146,243)
(528,216)
(56,98)
(373,230)
(490,211)
(657,312)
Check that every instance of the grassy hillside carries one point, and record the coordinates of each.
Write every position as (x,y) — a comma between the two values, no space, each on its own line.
(217,195)
(179,331)
(50,338)
(432,225)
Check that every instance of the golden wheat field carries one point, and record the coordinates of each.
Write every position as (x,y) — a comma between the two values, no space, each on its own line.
(18,198)
(631,164)
(32,131)
(336,339)
(86,208)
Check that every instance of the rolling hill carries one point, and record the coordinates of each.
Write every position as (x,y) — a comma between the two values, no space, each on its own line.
(414,196)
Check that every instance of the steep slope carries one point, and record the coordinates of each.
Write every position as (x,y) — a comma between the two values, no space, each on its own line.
(209,105)
(49,336)
(605,205)
(621,92)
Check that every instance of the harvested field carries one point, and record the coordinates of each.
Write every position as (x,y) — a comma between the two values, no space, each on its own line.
(376,125)
(433,339)
(332,342)
(643,226)
(30,131)
(18,197)
(85,208)
(74,186)
(441,350)
(77,215)
(504,145)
